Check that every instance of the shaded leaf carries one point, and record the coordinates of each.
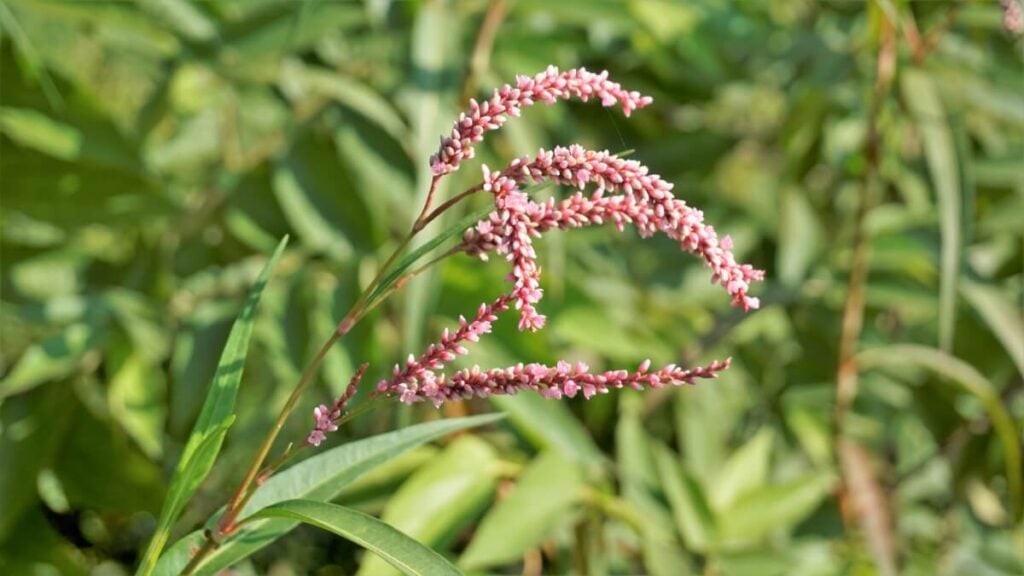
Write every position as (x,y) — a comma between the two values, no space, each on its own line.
(136,400)
(900,355)
(1002,317)
(405,262)
(694,518)
(55,357)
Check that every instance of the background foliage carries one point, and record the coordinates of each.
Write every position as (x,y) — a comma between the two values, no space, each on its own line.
(154,152)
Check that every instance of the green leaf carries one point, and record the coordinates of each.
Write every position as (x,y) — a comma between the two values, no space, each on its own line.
(638,473)
(442,498)
(947,365)
(940,152)
(347,91)
(429,104)
(705,418)
(214,420)
(633,447)
(772,508)
(98,145)
(36,547)
(99,469)
(379,484)
(542,498)
(405,262)
(665,558)
(301,191)
(34,130)
(693,516)
(551,425)
(30,438)
(321,478)
(399,550)
(137,401)
(292,29)
(800,237)
(593,328)
(183,17)
(745,470)
(55,357)
(1002,317)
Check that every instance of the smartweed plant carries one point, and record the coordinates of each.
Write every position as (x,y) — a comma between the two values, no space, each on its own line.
(272,499)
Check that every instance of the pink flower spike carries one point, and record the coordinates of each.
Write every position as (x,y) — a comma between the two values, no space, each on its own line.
(418,378)
(554,382)
(325,418)
(548,87)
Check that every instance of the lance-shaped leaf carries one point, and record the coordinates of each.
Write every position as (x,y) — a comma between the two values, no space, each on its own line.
(320,478)
(397,549)
(214,420)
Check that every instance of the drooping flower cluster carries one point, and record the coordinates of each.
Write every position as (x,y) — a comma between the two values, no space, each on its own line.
(647,203)
(637,197)
(326,418)
(548,87)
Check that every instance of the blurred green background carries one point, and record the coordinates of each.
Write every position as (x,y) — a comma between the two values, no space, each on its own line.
(154,152)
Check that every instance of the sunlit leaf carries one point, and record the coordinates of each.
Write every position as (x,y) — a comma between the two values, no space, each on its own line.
(397,549)
(772,508)
(321,478)
(443,497)
(543,496)
(551,425)
(745,470)
(214,420)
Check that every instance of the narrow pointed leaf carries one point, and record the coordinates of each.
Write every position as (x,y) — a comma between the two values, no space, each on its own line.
(548,424)
(940,152)
(397,549)
(772,508)
(443,498)
(1002,317)
(542,498)
(693,516)
(216,416)
(320,478)
(745,470)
